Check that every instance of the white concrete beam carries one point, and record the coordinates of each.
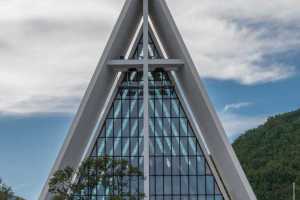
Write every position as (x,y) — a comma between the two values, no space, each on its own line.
(166,64)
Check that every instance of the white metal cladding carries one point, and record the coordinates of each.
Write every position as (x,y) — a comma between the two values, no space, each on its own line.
(191,90)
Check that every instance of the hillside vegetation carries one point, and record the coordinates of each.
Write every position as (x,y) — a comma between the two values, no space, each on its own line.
(270,156)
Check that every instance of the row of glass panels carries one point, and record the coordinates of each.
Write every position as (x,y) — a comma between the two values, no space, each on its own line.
(178,169)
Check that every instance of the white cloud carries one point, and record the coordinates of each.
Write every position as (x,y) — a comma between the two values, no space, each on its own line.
(48,52)
(49,49)
(230,40)
(236,124)
(235,106)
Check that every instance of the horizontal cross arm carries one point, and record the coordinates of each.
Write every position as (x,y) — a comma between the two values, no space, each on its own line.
(166,64)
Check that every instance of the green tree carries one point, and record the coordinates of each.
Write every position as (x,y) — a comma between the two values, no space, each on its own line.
(6,193)
(109,173)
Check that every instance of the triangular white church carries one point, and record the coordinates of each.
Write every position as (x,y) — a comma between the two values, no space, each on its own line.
(147,104)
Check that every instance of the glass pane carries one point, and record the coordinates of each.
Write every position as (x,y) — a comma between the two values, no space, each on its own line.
(174,150)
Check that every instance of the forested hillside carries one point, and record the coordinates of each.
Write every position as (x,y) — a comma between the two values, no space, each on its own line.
(270,156)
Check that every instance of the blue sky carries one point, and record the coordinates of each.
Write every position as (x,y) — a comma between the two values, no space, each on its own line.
(248,57)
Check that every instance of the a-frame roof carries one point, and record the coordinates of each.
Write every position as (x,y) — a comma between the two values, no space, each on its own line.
(101,89)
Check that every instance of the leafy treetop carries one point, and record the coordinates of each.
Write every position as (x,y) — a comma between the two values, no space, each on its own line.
(109,173)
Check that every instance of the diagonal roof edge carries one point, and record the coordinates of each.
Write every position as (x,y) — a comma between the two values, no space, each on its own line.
(221,150)
(93,102)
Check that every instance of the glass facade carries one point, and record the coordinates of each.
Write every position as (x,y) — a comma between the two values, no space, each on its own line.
(121,136)
(178,168)
(138,53)
(153,52)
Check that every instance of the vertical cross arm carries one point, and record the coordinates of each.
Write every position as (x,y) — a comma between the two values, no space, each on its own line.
(146,99)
